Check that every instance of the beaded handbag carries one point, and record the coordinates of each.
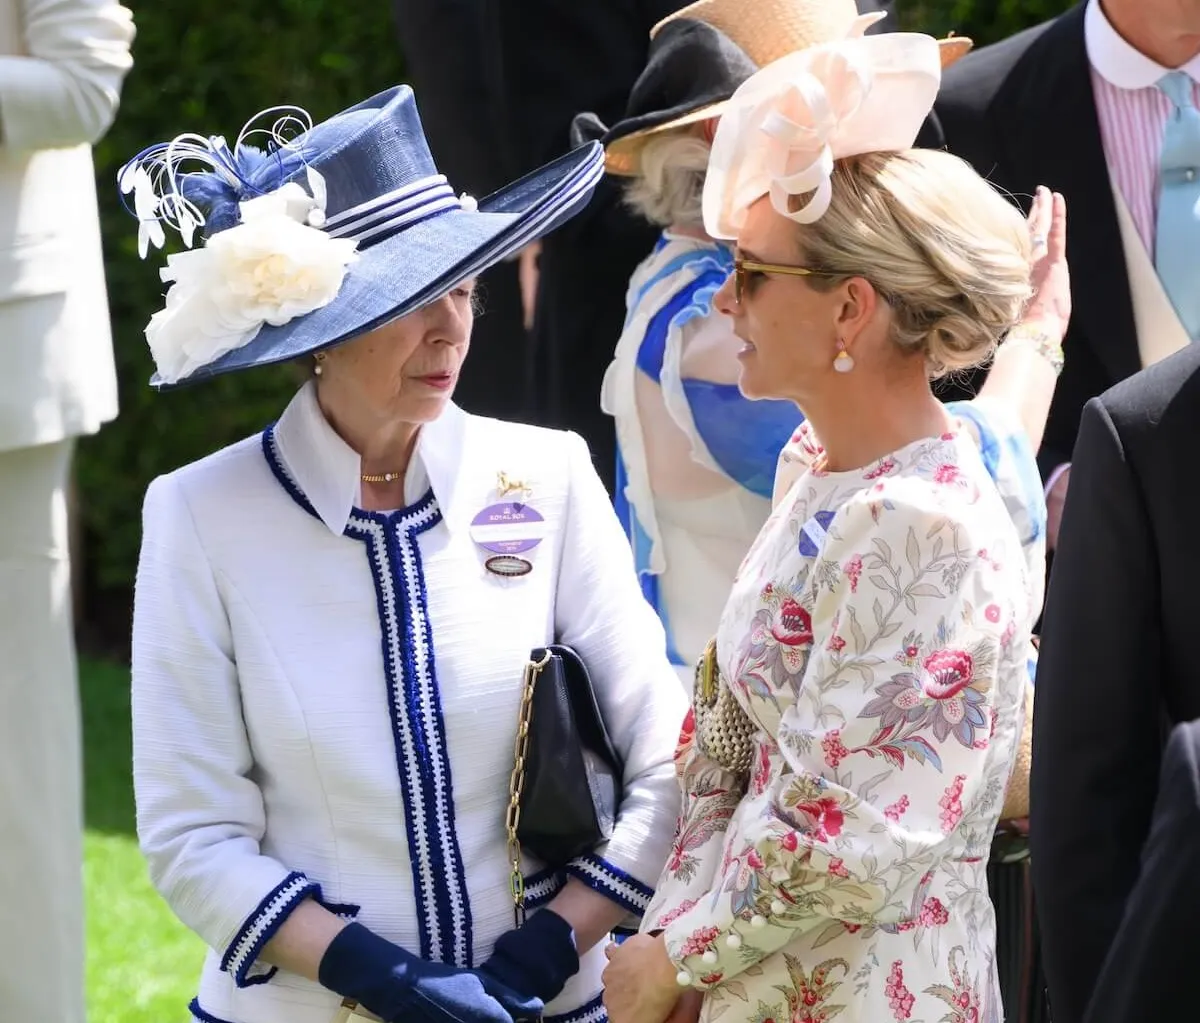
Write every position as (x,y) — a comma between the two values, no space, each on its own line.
(724,731)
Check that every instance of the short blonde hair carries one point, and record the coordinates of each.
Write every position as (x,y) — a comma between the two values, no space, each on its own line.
(948,253)
(669,186)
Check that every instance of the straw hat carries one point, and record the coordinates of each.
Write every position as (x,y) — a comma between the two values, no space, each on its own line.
(765,30)
(770,29)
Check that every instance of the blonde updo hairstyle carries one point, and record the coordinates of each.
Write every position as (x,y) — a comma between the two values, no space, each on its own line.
(669,185)
(947,252)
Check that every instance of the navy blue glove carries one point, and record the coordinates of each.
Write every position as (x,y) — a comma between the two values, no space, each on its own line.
(538,958)
(393,983)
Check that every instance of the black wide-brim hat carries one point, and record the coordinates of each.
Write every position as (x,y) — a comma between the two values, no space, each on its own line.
(692,69)
(416,240)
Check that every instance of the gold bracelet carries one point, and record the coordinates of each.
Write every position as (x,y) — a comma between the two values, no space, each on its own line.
(1044,343)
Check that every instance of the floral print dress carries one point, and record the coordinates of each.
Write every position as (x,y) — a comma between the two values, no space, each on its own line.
(877,633)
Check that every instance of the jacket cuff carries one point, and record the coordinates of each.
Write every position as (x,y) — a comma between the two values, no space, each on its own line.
(241,956)
(612,882)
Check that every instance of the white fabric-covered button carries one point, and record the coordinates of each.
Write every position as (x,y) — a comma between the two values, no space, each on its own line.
(734,941)
(778,908)
(758,921)
(683,978)
(709,957)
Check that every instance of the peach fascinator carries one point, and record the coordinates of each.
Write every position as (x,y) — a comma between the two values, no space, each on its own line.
(787,124)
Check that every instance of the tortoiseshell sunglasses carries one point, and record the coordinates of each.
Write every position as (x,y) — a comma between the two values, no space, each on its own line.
(741,267)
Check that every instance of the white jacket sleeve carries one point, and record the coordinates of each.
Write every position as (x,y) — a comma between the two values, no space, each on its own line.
(66,91)
(600,611)
(200,815)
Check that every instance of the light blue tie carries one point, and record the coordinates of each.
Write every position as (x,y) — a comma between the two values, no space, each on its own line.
(1177,239)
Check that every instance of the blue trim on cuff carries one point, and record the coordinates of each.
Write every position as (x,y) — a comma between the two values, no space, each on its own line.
(261,925)
(540,888)
(590,1012)
(200,1016)
(612,882)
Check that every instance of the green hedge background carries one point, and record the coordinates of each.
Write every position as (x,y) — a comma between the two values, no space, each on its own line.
(206,69)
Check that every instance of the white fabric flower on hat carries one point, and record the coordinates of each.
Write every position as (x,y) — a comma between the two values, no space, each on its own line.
(269,269)
(788,123)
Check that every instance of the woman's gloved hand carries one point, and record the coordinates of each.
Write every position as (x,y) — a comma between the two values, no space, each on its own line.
(395,984)
(537,958)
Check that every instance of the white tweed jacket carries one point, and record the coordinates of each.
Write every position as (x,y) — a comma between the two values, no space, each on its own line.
(325,699)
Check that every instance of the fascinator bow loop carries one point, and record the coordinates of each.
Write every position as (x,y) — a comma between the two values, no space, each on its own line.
(800,128)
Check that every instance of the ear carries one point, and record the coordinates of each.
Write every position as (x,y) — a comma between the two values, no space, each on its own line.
(859,303)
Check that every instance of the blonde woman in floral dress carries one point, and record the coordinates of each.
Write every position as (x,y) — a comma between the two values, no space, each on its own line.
(878,632)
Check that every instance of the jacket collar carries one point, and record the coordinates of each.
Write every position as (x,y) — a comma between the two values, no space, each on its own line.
(327,469)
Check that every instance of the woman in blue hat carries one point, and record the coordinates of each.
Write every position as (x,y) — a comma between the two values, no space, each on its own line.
(332,618)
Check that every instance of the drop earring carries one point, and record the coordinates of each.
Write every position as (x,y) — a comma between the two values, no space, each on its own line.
(844,362)
(318,369)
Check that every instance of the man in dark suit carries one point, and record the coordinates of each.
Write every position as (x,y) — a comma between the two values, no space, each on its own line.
(1118,663)
(1148,974)
(1073,104)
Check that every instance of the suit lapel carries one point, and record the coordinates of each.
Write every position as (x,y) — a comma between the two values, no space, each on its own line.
(1053,137)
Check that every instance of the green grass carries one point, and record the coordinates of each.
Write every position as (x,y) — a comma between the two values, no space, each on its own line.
(142,964)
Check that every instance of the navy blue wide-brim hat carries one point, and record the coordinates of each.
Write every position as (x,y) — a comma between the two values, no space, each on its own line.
(416,240)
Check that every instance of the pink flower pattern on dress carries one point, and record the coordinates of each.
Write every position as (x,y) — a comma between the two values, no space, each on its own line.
(853,572)
(896,810)
(951,804)
(900,999)
(882,469)
(835,752)
(700,942)
(933,913)
(762,769)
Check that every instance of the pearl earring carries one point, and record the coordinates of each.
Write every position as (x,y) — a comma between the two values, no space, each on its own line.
(318,369)
(844,362)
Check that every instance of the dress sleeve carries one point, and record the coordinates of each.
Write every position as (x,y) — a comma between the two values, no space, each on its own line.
(200,815)
(65,91)
(710,796)
(886,746)
(601,613)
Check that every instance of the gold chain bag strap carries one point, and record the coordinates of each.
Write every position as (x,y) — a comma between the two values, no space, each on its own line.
(512,816)
(724,732)
(565,791)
